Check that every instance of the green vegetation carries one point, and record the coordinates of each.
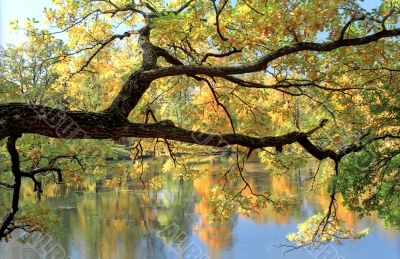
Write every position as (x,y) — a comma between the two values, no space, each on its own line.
(292,82)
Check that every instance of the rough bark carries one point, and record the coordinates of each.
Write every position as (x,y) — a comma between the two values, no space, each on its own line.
(22,118)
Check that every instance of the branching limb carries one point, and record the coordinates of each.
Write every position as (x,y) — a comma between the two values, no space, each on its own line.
(262,63)
(217,16)
(5,229)
(220,55)
(356,17)
(216,98)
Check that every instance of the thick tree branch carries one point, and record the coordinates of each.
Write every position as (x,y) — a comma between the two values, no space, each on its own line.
(263,62)
(129,95)
(23,118)
(137,84)
(56,123)
(168,57)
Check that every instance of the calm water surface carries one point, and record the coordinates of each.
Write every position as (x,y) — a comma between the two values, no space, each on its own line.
(122,222)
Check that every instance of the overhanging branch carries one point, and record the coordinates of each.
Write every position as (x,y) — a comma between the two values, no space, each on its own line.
(47,121)
(264,61)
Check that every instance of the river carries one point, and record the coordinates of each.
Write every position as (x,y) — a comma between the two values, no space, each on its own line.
(127,222)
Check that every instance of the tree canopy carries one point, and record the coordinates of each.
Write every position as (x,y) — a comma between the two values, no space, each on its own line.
(293,82)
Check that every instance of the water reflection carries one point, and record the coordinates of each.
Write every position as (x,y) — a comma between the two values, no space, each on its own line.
(124,222)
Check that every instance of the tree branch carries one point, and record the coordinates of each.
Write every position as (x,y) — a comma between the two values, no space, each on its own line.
(15,169)
(217,14)
(263,62)
(46,121)
(221,55)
